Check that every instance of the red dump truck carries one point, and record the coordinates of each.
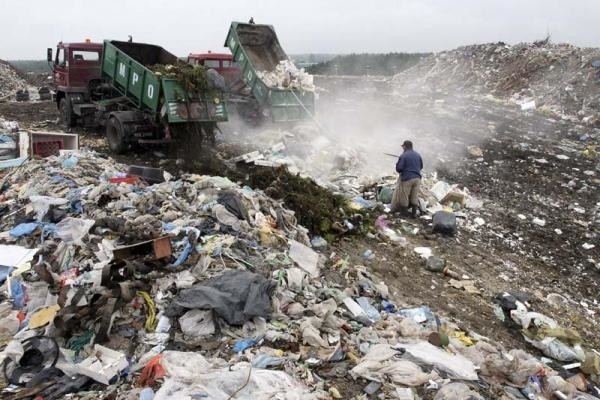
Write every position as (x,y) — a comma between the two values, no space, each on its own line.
(117,85)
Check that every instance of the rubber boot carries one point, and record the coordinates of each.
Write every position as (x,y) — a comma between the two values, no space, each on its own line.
(413,211)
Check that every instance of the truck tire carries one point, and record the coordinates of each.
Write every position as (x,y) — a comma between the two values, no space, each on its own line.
(66,112)
(208,131)
(116,136)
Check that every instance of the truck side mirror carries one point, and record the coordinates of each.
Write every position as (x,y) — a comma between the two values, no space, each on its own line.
(49,54)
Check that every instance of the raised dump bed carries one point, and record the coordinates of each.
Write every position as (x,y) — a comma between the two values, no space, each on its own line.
(128,65)
(256,48)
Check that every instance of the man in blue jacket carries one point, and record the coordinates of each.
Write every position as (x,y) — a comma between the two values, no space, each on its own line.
(406,193)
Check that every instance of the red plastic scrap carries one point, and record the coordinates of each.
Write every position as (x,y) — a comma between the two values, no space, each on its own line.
(131,180)
(152,372)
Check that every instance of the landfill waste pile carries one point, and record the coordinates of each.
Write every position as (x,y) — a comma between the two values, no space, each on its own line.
(559,78)
(10,82)
(8,139)
(290,278)
(199,288)
(287,76)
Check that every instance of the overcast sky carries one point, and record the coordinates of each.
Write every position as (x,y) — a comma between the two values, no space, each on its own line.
(28,27)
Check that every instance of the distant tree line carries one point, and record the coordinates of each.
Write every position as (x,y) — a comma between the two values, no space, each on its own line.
(365,63)
(35,66)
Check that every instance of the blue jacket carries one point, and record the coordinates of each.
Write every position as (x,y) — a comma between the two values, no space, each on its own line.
(409,165)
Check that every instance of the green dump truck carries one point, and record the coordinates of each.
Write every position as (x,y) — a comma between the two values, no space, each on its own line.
(136,91)
(257,50)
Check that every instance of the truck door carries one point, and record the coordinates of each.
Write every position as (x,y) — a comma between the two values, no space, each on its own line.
(60,69)
(84,66)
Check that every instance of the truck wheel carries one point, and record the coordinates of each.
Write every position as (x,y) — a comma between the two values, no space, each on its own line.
(209,135)
(66,113)
(116,136)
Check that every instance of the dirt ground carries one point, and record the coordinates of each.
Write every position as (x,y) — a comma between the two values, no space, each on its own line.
(507,253)
(519,176)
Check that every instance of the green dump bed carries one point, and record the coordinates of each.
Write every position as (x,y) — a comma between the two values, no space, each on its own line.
(256,48)
(126,64)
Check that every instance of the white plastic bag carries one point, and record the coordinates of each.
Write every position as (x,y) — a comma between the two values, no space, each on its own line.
(554,348)
(191,376)
(185,366)
(456,366)
(456,391)
(197,323)
(539,320)
(380,364)
(73,230)
(310,332)
(41,204)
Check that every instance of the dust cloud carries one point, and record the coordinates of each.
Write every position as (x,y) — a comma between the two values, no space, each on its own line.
(358,119)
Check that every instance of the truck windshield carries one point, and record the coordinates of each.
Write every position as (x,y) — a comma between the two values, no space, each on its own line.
(85,56)
(212,63)
(230,64)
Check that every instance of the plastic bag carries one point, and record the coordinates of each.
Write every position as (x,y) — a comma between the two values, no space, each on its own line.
(311,334)
(554,348)
(17,293)
(583,396)
(265,361)
(539,320)
(220,384)
(591,364)
(421,315)
(244,344)
(556,383)
(70,162)
(152,372)
(444,222)
(522,367)
(147,394)
(73,230)
(185,366)
(385,194)
(25,228)
(371,311)
(380,363)
(41,204)
(197,323)
(381,223)
(226,218)
(409,328)
(455,391)
(454,365)
(295,277)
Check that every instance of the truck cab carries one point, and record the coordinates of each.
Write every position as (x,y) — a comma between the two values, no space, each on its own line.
(220,62)
(76,73)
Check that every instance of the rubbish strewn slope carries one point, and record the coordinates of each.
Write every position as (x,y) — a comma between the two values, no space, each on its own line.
(10,81)
(561,77)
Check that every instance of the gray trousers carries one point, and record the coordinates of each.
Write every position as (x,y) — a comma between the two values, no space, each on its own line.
(406,193)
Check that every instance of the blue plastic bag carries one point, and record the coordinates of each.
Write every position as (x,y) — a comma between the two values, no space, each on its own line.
(244,344)
(23,229)
(17,293)
(264,361)
(5,272)
(184,254)
(371,311)
(70,162)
